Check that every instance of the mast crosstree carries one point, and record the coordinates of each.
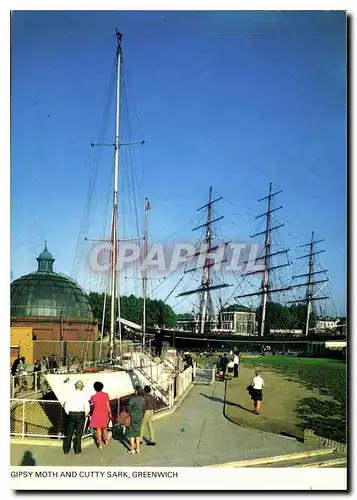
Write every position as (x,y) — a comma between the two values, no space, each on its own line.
(265,289)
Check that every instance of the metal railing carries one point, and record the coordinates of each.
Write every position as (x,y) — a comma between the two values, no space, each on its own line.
(24,385)
(204,375)
(41,418)
(45,418)
(183,380)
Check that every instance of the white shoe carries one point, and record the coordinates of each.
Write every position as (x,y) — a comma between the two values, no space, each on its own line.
(131,452)
(137,451)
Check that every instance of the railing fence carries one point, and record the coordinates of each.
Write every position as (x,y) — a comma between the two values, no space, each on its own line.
(24,385)
(204,375)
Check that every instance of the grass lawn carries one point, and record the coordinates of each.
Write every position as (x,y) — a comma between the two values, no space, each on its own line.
(307,392)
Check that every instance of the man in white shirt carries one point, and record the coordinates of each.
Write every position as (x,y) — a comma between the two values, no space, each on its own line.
(236,363)
(77,408)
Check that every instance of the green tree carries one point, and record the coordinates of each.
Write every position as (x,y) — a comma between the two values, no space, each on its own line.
(131,308)
(185,316)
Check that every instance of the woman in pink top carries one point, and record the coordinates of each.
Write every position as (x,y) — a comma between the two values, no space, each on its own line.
(101,413)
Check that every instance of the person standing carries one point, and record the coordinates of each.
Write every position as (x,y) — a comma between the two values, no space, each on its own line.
(14,371)
(223,367)
(77,408)
(136,409)
(37,367)
(218,363)
(230,368)
(159,337)
(15,364)
(23,366)
(150,404)
(101,413)
(236,363)
(256,392)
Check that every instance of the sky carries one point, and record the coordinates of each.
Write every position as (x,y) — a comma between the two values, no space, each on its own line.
(232,100)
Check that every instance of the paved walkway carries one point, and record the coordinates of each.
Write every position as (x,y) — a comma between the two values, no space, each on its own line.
(197,434)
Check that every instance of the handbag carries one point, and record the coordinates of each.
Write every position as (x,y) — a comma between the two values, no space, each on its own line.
(124,418)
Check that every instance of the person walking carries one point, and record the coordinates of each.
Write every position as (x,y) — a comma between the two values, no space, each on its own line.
(77,408)
(256,391)
(136,409)
(101,413)
(236,363)
(150,404)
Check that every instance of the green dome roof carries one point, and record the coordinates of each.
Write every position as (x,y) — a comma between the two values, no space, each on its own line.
(46,293)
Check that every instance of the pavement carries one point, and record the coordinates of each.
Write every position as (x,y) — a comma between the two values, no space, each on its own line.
(196,434)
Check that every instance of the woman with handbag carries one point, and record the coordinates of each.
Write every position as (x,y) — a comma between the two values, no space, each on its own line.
(256,391)
(101,414)
(136,409)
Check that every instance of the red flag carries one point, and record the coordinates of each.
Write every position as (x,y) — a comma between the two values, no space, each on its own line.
(148,206)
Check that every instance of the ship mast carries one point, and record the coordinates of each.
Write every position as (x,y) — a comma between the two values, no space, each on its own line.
(114,229)
(113,270)
(265,289)
(206,300)
(310,292)
(206,306)
(145,277)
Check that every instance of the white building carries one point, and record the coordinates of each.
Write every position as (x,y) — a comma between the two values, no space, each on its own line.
(326,323)
(193,325)
(242,322)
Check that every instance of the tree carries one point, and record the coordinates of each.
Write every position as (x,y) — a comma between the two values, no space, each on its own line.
(185,316)
(235,307)
(277,317)
(131,308)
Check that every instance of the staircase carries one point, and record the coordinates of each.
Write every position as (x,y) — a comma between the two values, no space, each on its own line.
(156,388)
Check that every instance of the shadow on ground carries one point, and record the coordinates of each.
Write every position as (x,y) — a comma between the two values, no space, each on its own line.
(118,435)
(238,410)
(28,459)
(324,410)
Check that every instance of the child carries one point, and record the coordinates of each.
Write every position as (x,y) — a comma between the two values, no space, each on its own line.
(256,392)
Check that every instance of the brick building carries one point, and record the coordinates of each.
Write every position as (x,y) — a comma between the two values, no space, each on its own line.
(53,305)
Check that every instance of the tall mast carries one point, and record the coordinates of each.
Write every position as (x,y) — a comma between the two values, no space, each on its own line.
(265,289)
(206,306)
(206,302)
(310,291)
(147,207)
(265,280)
(114,231)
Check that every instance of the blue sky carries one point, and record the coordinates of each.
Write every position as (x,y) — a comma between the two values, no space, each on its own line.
(229,99)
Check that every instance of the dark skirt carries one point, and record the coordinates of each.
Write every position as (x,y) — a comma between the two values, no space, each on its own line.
(256,394)
(135,426)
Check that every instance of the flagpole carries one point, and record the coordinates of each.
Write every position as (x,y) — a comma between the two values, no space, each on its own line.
(147,207)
